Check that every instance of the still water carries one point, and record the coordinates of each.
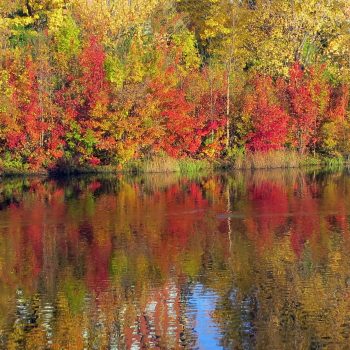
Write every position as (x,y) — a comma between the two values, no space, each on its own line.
(224,261)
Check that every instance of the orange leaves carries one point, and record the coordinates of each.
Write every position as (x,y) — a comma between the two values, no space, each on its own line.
(82,119)
(189,128)
(27,136)
(176,115)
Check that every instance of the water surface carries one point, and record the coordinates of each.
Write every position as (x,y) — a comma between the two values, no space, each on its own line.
(240,261)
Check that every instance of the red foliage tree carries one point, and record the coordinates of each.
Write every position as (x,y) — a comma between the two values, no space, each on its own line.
(27,138)
(269,120)
(189,127)
(85,100)
(176,115)
(211,112)
(93,79)
(339,103)
(308,95)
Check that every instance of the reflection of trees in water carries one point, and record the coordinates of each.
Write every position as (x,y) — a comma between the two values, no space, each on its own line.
(112,261)
(292,273)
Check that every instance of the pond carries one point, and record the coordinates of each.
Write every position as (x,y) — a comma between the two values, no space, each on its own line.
(246,260)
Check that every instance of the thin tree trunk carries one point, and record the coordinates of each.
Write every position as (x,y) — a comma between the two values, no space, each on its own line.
(228,107)
(229,68)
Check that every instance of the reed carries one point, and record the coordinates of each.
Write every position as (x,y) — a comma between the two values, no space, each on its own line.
(193,166)
(160,165)
(273,160)
(165,164)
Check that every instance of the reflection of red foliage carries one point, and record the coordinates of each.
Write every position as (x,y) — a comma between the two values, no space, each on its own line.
(95,185)
(305,220)
(98,266)
(269,204)
(158,226)
(273,210)
(185,210)
(34,239)
(28,239)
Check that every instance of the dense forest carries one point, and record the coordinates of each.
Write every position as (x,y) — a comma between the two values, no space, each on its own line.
(105,82)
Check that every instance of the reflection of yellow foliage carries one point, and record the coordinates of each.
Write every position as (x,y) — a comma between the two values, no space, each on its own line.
(154,242)
(68,334)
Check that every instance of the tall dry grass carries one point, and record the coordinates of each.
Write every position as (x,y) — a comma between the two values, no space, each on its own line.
(270,160)
(165,164)
(160,165)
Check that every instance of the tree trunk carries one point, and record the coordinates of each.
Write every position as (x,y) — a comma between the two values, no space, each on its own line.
(229,68)
(228,107)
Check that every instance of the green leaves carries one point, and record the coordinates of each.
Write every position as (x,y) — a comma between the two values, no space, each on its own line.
(115,71)
(68,37)
(185,42)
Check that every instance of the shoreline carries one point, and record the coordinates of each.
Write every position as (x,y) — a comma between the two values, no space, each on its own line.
(140,168)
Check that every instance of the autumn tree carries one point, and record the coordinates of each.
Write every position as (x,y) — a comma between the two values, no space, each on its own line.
(268,119)
(308,92)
